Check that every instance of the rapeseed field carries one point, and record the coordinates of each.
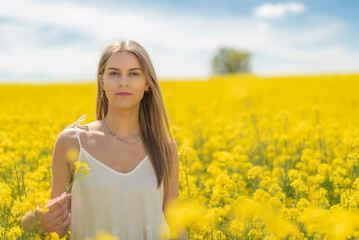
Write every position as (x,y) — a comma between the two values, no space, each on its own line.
(260,158)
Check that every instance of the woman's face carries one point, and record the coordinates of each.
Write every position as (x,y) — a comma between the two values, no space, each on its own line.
(123,73)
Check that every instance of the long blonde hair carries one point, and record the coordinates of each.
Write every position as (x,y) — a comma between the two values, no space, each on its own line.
(152,113)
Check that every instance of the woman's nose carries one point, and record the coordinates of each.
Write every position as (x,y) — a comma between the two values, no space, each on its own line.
(123,79)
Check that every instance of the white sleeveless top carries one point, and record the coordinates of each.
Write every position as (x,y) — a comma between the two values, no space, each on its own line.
(126,205)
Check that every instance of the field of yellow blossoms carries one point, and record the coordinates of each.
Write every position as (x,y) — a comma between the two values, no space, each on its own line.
(260,158)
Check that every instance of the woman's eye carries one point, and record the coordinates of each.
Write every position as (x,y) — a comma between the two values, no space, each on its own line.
(113,73)
(134,73)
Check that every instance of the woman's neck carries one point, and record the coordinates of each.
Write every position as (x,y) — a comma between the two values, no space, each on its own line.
(124,124)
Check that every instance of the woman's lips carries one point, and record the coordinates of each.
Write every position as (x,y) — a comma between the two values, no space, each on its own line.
(123,94)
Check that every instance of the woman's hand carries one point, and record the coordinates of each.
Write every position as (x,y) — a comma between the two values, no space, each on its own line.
(58,216)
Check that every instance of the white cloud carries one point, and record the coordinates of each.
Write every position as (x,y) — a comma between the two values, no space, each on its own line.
(262,27)
(279,10)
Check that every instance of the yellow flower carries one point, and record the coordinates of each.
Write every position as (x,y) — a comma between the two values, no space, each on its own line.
(255,172)
(254,234)
(179,216)
(302,204)
(42,205)
(52,236)
(14,233)
(81,166)
(237,227)
(323,169)
(261,196)
(275,223)
(5,194)
(274,202)
(294,174)
(299,185)
(104,235)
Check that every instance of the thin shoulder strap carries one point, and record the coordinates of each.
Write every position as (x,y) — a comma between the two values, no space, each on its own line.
(81,119)
(78,137)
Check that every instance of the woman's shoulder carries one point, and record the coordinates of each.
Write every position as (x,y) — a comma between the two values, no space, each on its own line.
(71,131)
(69,135)
(66,138)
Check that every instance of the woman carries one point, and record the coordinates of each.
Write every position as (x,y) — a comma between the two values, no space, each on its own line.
(132,160)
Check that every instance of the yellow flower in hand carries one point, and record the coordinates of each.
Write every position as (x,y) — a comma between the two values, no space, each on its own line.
(83,166)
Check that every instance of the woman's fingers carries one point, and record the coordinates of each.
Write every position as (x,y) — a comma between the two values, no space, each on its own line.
(56,213)
(64,224)
(53,200)
(57,202)
(54,204)
(60,218)
(49,223)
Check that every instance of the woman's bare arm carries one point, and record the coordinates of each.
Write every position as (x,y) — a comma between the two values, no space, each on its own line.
(57,219)
(61,175)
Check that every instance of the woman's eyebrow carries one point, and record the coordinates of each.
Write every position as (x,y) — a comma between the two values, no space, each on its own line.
(119,69)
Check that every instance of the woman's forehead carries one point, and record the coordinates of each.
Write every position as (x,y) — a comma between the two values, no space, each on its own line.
(123,60)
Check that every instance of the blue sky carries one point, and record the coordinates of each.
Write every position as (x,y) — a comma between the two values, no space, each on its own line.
(51,40)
